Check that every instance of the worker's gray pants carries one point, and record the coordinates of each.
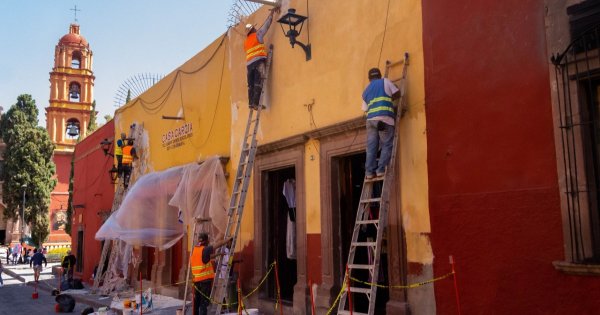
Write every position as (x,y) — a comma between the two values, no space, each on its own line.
(255,76)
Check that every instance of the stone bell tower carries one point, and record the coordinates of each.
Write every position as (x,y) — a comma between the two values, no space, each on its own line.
(67,119)
(71,90)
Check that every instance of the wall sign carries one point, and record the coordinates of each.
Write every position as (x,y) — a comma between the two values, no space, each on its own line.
(175,138)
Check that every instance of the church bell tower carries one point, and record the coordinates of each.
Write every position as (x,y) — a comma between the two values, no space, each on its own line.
(67,119)
(71,91)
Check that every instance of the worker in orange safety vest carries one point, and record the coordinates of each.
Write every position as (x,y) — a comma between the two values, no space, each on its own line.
(128,155)
(203,272)
(256,54)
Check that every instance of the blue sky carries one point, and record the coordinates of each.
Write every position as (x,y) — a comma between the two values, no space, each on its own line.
(126,37)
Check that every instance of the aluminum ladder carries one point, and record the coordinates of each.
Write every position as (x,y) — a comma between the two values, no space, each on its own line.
(240,188)
(365,219)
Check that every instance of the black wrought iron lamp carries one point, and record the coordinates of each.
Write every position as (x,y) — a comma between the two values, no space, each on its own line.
(106,147)
(114,174)
(292,20)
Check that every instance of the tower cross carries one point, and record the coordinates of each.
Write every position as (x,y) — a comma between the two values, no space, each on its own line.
(75,11)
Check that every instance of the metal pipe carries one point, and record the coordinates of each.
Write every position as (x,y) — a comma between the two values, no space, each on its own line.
(274,3)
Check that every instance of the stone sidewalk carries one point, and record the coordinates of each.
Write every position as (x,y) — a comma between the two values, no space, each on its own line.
(16,294)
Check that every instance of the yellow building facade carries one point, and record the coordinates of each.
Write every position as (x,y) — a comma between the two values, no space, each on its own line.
(312,132)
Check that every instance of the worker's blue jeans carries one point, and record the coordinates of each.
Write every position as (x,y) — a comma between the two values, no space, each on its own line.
(378,134)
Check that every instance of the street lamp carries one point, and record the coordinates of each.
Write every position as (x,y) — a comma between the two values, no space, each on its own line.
(292,20)
(105,145)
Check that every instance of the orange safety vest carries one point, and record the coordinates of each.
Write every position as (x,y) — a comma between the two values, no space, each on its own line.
(127,157)
(200,270)
(254,48)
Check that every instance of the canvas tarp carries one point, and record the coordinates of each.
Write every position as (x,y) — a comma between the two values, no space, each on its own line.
(159,205)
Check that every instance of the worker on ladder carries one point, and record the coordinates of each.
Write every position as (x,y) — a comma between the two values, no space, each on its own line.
(128,156)
(203,272)
(378,104)
(119,144)
(256,54)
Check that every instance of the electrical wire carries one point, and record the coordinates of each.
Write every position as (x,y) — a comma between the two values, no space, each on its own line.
(212,123)
(387,14)
(147,104)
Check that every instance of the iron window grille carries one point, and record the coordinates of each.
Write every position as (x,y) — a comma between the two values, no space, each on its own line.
(577,71)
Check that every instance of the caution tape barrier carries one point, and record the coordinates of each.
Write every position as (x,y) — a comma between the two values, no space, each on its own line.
(262,281)
(409,286)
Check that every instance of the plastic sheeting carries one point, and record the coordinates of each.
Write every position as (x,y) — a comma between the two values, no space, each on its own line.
(160,205)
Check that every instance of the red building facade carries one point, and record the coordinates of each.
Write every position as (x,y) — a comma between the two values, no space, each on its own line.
(93,194)
(495,200)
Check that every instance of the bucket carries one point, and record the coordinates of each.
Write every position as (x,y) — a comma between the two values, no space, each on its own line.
(34,295)
(178,312)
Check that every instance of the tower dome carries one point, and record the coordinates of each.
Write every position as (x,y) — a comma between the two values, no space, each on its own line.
(73,38)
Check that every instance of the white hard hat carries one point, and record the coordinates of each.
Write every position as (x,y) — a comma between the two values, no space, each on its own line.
(249,27)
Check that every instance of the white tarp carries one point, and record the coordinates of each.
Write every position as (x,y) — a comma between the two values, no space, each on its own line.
(160,205)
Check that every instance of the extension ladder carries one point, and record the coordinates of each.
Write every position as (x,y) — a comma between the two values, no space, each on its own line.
(240,188)
(110,247)
(365,219)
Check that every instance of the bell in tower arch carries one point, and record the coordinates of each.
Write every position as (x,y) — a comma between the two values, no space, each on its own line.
(74,91)
(72,128)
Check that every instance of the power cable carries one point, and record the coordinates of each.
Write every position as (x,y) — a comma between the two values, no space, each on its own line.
(212,123)
(387,14)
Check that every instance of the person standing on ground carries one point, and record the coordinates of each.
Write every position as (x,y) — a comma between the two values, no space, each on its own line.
(8,253)
(203,272)
(15,253)
(68,264)
(1,270)
(256,54)
(378,104)
(36,261)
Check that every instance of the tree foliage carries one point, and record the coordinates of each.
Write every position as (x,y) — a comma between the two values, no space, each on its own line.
(28,166)
(93,125)
(70,202)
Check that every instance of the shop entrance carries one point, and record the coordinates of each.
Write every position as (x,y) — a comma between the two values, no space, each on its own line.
(279,232)
(346,184)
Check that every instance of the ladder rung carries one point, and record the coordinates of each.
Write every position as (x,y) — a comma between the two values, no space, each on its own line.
(370,200)
(367,222)
(353,266)
(353,312)
(360,290)
(356,244)
(374,179)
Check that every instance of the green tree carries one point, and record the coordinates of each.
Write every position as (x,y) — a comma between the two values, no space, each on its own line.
(107,118)
(28,163)
(93,125)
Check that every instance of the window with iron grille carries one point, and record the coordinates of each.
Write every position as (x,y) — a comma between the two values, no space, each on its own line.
(577,71)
